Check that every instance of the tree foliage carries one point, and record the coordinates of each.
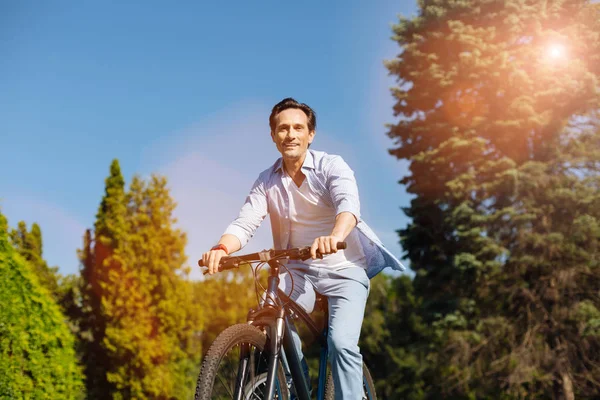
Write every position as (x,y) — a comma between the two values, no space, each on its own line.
(390,333)
(97,260)
(29,245)
(224,299)
(37,355)
(498,103)
(138,314)
(152,318)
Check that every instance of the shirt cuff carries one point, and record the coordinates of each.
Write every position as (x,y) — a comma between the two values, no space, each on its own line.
(239,233)
(347,207)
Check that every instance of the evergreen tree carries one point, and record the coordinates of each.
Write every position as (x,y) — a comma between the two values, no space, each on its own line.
(29,246)
(147,303)
(37,357)
(502,134)
(99,260)
(391,329)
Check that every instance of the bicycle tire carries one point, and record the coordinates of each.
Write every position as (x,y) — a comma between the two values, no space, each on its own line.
(367,381)
(233,336)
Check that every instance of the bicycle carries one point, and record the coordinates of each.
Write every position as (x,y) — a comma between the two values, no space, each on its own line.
(250,354)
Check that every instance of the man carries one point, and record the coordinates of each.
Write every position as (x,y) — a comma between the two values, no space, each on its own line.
(312,199)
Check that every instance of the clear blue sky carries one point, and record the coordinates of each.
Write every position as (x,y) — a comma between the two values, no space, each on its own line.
(184,89)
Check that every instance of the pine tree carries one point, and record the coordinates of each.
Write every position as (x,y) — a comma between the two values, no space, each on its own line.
(99,260)
(390,329)
(151,319)
(503,138)
(138,324)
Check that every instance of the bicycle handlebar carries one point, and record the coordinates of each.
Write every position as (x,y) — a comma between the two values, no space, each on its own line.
(297,253)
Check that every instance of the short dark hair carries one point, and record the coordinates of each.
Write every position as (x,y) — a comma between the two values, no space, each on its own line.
(292,103)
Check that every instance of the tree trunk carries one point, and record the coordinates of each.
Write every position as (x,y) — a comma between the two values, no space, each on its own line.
(567,386)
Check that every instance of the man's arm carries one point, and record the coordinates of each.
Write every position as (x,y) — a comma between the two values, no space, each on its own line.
(231,242)
(344,223)
(344,193)
(212,257)
(342,188)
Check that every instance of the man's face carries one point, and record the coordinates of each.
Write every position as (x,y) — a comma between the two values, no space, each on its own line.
(291,134)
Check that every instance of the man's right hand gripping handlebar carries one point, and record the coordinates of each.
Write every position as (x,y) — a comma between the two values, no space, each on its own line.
(217,259)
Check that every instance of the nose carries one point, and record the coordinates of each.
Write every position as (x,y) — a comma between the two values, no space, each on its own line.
(291,134)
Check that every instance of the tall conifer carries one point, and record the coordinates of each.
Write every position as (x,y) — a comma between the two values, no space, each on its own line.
(150,316)
(498,103)
(99,260)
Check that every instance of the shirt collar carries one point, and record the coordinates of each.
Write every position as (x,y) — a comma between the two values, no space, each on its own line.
(309,162)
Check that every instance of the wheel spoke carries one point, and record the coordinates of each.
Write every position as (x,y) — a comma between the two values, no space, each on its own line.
(218,379)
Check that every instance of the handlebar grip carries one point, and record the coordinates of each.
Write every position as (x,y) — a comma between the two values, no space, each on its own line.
(342,246)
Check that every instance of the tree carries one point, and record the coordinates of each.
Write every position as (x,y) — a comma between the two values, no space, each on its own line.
(225,300)
(98,259)
(137,321)
(147,302)
(390,338)
(502,135)
(37,356)
(29,246)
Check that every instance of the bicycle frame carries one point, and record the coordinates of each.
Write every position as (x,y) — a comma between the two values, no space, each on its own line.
(279,324)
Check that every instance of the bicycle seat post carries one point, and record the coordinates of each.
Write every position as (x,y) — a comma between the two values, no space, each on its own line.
(273,284)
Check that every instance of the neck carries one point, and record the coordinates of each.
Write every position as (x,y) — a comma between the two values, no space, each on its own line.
(293,166)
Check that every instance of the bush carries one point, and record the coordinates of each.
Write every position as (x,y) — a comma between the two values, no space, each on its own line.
(37,356)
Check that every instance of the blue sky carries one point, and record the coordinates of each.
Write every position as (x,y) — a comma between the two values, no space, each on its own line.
(184,90)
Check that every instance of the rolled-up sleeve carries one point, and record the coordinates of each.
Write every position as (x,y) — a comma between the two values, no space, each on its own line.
(342,187)
(251,215)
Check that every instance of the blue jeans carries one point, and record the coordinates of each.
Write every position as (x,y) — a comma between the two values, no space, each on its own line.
(347,290)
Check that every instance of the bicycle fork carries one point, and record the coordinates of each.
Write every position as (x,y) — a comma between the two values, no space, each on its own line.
(242,371)
(276,333)
(274,354)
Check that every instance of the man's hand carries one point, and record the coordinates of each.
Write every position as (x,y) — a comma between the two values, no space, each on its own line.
(212,258)
(325,245)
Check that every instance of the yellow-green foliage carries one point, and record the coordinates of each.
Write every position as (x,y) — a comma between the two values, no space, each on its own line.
(29,245)
(136,285)
(224,300)
(37,358)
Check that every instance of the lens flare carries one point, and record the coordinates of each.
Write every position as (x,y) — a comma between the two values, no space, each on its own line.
(556,51)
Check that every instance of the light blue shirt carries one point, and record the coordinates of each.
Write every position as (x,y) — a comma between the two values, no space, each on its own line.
(332,180)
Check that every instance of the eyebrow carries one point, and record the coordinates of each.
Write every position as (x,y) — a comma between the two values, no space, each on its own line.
(286,125)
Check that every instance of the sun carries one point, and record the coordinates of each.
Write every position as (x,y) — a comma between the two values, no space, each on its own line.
(556,51)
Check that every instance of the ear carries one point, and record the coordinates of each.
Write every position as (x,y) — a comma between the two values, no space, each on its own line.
(311,136)
(273,137)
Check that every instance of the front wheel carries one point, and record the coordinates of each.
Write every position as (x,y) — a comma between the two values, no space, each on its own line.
(368,386)
(237,345)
